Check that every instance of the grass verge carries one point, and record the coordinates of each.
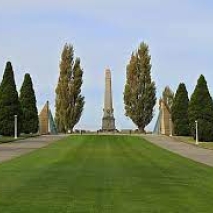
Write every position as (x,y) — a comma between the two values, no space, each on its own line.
(190,140)
(6,139)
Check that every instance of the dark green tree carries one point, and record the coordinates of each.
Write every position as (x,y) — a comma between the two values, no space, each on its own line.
(201,110)
(69,101)
(9,103)
(140,91)
(180,111)
(27,99)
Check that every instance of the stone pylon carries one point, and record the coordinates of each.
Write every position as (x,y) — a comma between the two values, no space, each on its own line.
(108,121)
(164,125)
(46,122)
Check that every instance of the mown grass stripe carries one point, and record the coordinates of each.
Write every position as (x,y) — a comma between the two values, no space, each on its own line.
(104,174)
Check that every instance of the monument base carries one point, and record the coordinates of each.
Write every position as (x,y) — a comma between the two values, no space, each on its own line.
(108,124)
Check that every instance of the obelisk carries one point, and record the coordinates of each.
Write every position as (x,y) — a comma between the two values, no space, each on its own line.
(108,121)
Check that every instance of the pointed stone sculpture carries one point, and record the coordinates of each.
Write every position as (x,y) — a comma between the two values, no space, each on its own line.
(46,122)
(164,125)
(108,121)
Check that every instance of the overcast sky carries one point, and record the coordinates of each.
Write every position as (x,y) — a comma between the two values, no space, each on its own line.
(104,33)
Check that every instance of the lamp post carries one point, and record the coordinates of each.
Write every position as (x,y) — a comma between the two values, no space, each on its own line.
(15,126)
(196,132)
(170,127)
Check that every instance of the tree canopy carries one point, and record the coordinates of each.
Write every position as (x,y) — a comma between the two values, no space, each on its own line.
(140,91)
(27,99)
(168,96)
(180,111)
(69,100)
(9,103)
(201,110)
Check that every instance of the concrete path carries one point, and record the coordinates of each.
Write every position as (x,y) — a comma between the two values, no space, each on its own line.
(18,148)
(187,150)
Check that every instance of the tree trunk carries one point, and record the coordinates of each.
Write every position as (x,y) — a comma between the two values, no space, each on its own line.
(141,130)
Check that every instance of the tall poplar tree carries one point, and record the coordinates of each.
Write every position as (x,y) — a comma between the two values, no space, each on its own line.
(69,101)
(180,111)
(61,102)
(9,103)
(201,110)
(140,91)
(76,100)
(28,104)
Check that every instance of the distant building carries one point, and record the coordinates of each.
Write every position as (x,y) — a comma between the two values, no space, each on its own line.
(46,121)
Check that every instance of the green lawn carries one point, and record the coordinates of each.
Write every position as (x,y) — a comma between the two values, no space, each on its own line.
(99,174)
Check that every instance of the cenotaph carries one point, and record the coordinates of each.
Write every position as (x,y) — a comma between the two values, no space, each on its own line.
(108,120)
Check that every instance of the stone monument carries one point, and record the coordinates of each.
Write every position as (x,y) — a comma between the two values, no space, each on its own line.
(46,122)
(164,125)
(108,121)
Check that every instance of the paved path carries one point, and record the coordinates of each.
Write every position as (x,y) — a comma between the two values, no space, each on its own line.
(17,148)
(187,150)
